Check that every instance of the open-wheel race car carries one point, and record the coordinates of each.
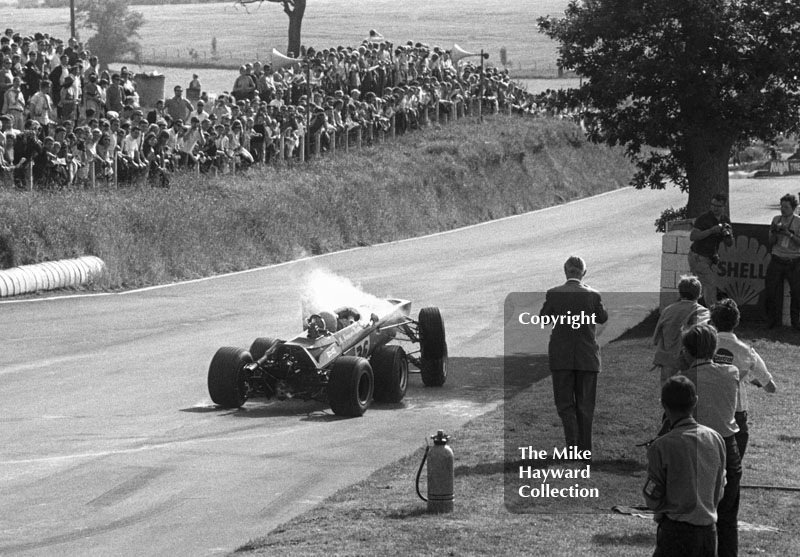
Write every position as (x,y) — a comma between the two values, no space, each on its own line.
(342,357)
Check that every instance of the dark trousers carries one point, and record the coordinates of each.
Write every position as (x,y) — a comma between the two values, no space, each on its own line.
(778,270)
(743,435)
(574,393)
(681,539)
(728,508)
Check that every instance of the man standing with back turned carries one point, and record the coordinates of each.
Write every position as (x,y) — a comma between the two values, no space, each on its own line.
(574,353)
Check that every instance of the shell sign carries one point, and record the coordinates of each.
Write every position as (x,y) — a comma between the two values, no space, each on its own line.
(742,267)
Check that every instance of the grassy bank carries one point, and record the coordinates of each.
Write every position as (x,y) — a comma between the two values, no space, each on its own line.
(383,516)
(437,179)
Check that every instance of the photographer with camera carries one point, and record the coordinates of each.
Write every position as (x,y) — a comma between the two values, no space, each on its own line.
(784,239)
(708,230)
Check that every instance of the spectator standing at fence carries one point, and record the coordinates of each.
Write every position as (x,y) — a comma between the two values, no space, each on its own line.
(14,103)
(115,95)
(784,239)
(717,390)
(68,99)
(178,107)
(243,86)
(200,113)
(41,106)
(93,95)
(57,77)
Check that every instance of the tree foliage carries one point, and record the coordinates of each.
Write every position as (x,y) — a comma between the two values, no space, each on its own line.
(115,27)
(295,10)
(678,82)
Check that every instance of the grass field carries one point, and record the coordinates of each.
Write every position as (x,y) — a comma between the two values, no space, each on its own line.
(383,516)
(244,35)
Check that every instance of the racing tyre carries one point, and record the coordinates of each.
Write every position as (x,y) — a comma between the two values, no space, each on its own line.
(432,344)
(350,386)
(260,347)
(226,380)
(390,369)
(434,371)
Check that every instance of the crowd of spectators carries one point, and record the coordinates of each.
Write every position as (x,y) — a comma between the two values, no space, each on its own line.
(77,123)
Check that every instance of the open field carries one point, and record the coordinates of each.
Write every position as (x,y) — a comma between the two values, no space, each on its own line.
(170,31)
(382,514)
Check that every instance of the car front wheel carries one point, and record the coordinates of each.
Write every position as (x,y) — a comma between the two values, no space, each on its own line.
(390,368)
(350,386)
(226,377)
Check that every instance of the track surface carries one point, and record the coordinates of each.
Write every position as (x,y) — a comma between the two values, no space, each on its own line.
(109,444)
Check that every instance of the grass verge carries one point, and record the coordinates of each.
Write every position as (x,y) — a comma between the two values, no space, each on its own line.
(432,180)
(383,516)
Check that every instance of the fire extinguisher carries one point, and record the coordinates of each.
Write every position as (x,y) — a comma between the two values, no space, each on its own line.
(440,474)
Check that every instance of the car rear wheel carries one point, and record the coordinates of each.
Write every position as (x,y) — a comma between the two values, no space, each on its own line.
(434,371)
(432,342)
(350,386)
(260,347)
(390,368)
(226,379)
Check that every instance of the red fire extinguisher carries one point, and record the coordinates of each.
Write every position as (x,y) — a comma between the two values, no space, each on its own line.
(440,475)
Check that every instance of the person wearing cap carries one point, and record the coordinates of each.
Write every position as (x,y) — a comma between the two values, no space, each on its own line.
(178,107)
(41,105)
(685,477)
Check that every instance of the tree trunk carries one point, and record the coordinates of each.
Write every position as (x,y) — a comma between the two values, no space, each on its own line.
(295,25)
(706,170)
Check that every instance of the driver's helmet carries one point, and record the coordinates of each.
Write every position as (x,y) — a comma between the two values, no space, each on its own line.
(329,319)
(347,316)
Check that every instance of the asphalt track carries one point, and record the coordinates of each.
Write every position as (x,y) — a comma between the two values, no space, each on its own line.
(109,444)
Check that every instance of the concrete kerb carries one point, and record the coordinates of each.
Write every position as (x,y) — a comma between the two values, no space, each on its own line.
(49,275)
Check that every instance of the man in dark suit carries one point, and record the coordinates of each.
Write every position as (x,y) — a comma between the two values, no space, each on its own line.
(574,310)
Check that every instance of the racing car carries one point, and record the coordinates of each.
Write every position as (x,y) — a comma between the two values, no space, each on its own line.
(342,357)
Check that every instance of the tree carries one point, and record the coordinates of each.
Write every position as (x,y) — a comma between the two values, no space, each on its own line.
(115,28)
(678,82)
(295,9)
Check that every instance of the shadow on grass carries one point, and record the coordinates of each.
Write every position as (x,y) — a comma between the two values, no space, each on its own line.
(643,329)
(408,512)
(638,539)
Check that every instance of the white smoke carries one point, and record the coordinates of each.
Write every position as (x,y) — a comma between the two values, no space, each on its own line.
(323,290)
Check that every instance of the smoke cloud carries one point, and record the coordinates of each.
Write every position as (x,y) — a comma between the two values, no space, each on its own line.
(323,290)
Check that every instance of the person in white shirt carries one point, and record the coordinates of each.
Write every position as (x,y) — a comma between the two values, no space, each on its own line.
(732,351)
